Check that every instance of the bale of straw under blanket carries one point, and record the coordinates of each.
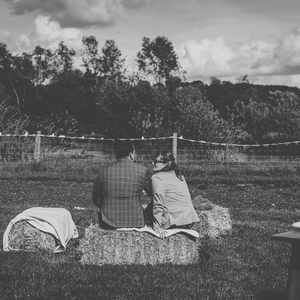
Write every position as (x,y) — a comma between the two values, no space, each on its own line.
(214,222)
(101,247)
(25,237)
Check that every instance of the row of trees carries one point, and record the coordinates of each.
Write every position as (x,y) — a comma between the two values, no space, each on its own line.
(43,90)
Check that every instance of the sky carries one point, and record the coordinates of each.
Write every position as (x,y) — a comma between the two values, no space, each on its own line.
(213,38)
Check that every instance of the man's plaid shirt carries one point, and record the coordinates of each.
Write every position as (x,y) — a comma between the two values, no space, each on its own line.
(117,192)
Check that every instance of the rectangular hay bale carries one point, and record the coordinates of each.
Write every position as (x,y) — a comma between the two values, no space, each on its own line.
(26,237)
(101,247)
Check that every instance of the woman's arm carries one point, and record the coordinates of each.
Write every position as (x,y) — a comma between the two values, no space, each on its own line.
(160,211)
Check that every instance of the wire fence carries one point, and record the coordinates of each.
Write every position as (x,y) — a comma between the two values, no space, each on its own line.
(81,157)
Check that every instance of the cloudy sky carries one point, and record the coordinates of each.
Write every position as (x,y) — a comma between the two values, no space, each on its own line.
(222,38)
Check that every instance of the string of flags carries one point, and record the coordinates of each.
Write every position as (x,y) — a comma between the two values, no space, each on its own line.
(84,137)
(240,145)
(26,134)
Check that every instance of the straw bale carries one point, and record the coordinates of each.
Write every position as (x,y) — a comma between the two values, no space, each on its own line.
(101,247)
(25,237)
(214,222)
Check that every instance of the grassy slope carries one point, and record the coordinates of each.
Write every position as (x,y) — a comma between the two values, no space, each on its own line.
(231,268)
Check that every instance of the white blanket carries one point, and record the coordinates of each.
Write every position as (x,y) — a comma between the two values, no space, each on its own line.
(164,233)
(56,221)
(296,225)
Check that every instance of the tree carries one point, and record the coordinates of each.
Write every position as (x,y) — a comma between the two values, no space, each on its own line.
(198,119)
(275,119)
(43,65)
(243,79)
(285,114)
(146,109)
(11,120)
(111,61)
(113,109)
(90,55)
(16,74)
(225,96)
(254,117)
(63,58)
(158,58)
(5,59)
(215,81)
(57,123)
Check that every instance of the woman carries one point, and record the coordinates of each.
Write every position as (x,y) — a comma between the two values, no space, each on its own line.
(172,203)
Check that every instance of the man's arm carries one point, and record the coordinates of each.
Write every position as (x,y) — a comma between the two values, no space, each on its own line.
(97,192)
(147,185)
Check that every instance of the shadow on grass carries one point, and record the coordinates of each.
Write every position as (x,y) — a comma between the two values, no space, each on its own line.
(235,267)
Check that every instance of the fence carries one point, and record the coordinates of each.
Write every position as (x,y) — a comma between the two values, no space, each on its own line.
(65,156)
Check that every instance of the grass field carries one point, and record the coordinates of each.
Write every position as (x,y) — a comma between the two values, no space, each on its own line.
(262,201)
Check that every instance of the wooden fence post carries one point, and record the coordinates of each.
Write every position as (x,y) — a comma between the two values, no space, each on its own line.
(37,147)
(174,145)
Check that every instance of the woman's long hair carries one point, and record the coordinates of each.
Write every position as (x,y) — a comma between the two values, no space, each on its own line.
(168,157)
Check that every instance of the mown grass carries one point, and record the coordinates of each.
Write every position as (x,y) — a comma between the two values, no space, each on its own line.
(262,202)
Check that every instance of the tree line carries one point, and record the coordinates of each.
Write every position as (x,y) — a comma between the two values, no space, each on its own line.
(91,93)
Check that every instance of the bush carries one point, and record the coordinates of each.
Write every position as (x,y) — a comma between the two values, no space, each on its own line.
(198,119)
(11,120)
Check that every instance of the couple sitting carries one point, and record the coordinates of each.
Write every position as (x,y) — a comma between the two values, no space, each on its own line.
(118,189)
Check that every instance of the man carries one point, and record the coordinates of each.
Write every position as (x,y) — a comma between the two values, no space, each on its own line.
(118,189)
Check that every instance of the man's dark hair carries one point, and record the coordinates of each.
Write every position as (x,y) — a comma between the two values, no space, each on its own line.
(123,148)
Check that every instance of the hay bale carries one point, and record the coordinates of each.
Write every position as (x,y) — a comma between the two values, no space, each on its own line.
(101,247)
(25,237)
(214,222)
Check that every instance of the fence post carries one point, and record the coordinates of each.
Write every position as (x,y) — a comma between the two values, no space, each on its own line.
(174,145)
(37,147)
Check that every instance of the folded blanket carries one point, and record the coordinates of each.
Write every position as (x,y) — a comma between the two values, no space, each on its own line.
(166,232)
(296,225)
(55,221)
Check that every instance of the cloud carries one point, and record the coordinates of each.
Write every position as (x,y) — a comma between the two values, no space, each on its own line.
(135,4)
(208,57)
(77,13)
(23,43)
(217,57)
(273,8)
(47,33)
(289,80)
(21,7)
(288,52)
(50,33)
